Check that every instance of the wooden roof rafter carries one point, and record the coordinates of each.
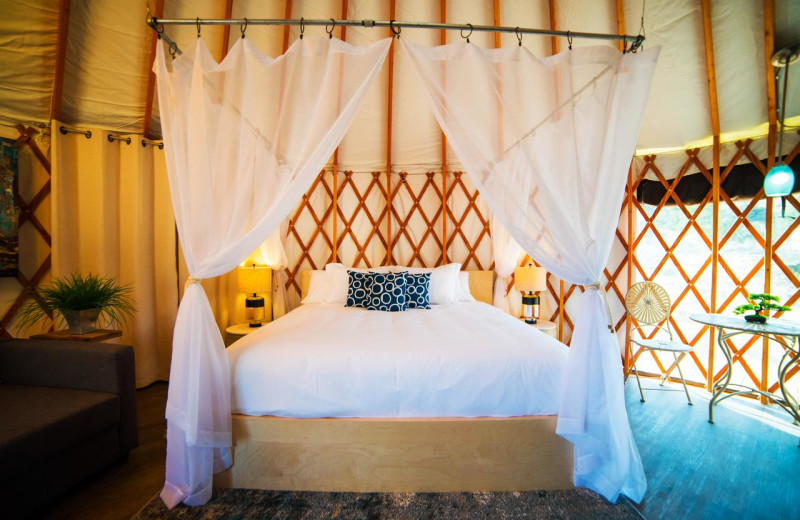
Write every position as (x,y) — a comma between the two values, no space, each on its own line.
(158,10)
(61,56)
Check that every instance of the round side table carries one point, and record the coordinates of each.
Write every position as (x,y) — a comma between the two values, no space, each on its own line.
(238,331)
(548,327)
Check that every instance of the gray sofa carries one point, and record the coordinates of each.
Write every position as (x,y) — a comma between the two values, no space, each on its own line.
(67,409)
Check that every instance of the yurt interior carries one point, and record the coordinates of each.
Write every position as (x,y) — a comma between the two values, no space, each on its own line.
(409,259)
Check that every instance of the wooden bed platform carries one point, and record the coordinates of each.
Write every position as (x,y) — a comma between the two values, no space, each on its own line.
(399,455)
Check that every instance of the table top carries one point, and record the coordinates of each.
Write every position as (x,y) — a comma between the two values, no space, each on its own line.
(241,329)
(772,326)
(541,324)
(96,335)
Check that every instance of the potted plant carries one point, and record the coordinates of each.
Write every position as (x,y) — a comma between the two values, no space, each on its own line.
(79,301)
(759,303)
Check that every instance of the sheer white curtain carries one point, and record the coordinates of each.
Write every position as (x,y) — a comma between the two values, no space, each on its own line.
(505,252)
(243,140)
(549,153)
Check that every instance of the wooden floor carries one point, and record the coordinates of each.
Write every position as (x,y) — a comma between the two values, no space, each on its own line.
(744,466)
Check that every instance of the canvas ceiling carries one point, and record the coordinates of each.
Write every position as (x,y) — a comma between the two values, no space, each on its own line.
(105,78)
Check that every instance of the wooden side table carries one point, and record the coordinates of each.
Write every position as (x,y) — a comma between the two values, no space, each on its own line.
(97,335)
(548,327)
(238,331)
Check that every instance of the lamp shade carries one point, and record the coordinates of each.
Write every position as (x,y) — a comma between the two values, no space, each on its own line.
(253,279)
(530,278)
(779,181)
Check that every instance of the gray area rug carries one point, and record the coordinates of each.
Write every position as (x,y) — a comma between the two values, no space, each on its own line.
(247,504)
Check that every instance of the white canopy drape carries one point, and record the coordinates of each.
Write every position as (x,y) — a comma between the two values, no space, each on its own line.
(244,140)
(548,143)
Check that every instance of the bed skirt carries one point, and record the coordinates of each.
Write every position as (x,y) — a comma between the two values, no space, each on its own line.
(398,455)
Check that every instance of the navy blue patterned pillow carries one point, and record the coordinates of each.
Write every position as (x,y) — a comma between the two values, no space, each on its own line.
(358,289)
(417,286)
(388,292)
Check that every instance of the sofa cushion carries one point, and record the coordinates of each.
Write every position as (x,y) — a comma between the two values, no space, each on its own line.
(38,422)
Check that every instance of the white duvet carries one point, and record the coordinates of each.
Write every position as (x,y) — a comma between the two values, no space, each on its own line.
(459,360)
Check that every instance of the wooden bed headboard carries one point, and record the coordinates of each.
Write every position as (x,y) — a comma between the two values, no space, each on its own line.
(481,284)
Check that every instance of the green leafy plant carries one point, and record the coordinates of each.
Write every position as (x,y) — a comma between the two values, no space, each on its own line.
(76,293)
(759,303)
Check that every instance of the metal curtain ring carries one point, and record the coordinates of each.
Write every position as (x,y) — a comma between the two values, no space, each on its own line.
(302,27)
(569,39)
(173,49)
(333,26)
(519,36)
(395,30)
(468,34)
(243,28)
(198,26)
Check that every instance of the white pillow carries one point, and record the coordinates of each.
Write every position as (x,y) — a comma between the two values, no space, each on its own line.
(337,277)
(444,287)
(319,288)
(464,294)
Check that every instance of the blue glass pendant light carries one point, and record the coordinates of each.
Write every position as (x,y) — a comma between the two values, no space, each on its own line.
(779,181)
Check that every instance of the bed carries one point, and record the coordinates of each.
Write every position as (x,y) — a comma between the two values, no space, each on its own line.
(461,397)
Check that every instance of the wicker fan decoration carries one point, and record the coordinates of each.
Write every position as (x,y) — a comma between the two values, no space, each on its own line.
(647,302)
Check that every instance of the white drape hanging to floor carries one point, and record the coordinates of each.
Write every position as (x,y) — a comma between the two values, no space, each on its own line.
(244,140)
(548,143)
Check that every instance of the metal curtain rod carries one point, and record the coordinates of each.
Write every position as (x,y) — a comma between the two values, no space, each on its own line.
(154,23)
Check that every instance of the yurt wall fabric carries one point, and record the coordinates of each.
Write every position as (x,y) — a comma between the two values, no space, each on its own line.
(113,217)
(245,139)
(552,168)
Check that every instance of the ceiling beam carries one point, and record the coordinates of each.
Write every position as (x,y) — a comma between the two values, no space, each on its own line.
(61,56)
(287,14)
(621,22)
(151,77)
(710,67)
(226,30)
(553,25)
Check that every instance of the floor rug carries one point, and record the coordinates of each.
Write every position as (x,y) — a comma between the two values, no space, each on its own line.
(247,504)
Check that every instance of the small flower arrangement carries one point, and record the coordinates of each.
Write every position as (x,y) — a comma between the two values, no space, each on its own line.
(759,303)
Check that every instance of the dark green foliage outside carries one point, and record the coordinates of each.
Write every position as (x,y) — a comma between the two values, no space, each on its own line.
(77,292)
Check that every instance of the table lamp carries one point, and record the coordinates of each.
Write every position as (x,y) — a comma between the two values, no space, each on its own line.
(530,279)
(253,280)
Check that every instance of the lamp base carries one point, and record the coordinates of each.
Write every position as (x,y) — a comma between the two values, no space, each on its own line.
(530,308)
(254,310)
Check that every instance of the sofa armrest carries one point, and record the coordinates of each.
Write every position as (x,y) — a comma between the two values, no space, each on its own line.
(99,367)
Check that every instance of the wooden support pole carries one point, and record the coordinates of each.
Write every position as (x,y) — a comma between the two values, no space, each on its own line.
(287,14)
(630,263)
(621,23)
(389,195)
(151,77)
(61,56)
(769,49)
(335,201)
(443,41)
(553,25)
(226,29)
(715,180)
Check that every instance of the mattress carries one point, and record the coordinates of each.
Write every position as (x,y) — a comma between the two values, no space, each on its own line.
(467,359)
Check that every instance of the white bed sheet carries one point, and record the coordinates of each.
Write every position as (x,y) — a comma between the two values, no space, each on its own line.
(467,359)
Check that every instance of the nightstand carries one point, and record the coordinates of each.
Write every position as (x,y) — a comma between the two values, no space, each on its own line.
(548,327)
(238,331)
